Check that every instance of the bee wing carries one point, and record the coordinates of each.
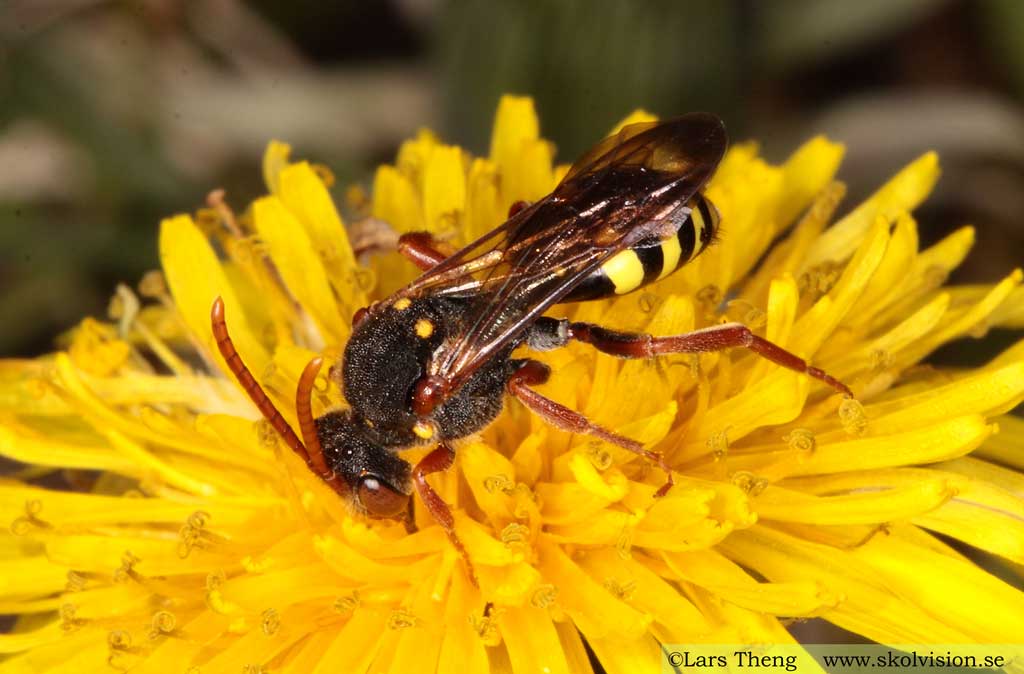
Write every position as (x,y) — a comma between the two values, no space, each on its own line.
(615,196)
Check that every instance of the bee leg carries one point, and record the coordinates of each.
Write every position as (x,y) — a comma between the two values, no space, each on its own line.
(532,373)
(371,235)
(421,248)
(716,338)
(518,206)
(439,460)
(410,520)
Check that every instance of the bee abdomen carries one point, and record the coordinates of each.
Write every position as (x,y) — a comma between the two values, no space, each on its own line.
(651,260)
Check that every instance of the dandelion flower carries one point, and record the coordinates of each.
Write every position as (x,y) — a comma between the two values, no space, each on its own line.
(197,543)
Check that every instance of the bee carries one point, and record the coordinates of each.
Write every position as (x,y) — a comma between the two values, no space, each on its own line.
(433,362)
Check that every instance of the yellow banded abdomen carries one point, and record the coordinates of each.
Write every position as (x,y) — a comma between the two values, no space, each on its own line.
(652,259)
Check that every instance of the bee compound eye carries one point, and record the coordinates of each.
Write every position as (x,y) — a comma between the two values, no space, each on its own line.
(380,500)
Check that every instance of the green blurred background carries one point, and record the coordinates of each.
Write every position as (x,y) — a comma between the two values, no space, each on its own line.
(115,114)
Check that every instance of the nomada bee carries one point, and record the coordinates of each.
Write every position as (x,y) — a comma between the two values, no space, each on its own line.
(432,363)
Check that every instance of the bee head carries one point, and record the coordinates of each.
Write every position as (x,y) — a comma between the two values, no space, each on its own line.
(378,479)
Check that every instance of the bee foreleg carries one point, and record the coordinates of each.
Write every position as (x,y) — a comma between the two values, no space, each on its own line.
(532,373)
(439,460)
(421,248)
(715,338)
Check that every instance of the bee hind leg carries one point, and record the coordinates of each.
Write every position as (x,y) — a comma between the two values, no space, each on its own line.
(716,338)
(532,373)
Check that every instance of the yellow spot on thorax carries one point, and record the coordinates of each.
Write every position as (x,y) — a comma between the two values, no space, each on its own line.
(424,328)
(625,271)
(423,430)
(401,304)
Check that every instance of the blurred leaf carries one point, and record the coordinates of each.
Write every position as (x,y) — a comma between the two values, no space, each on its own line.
(792,32)
(587,64)
(1004,22)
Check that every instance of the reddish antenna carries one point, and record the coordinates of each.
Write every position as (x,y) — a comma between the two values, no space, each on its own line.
(311,452)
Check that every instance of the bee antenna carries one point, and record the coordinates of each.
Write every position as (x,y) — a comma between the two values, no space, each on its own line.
(251,386)
(307,424)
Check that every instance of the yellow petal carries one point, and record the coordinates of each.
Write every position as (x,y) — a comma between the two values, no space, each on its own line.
(619,654)
(304,194)
(23,641)
(596,612)
(677,619)
(890,273)
(484,210)
(365,628)
(53,452)
(310,653)
(869,606)
(929,444)
(462,647)
(1011,313)
(983,607)
(31,576)
(1007,446)
(814,327)
(419,644)
(987,511)
(196,279)
(444,190)
(348,563)
(903,192)
(806,173)
(988,393)
(572,644)
(514,124)
(275,159)
(723,578)
(532,642)
(568,502)
(523,159)
(300,266)
(957,322)
(395,201)
(857,508)
(491,477)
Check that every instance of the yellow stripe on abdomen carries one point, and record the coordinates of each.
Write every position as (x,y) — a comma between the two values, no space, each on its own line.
(698,224)
(625,271)
(670,252)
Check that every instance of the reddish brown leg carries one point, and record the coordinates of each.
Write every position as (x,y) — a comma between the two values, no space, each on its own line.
(421,249)
(532,373)
(516,207)
(439,460)
(641,345)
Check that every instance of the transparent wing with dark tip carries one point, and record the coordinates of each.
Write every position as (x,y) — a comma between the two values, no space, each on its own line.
(618,194)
